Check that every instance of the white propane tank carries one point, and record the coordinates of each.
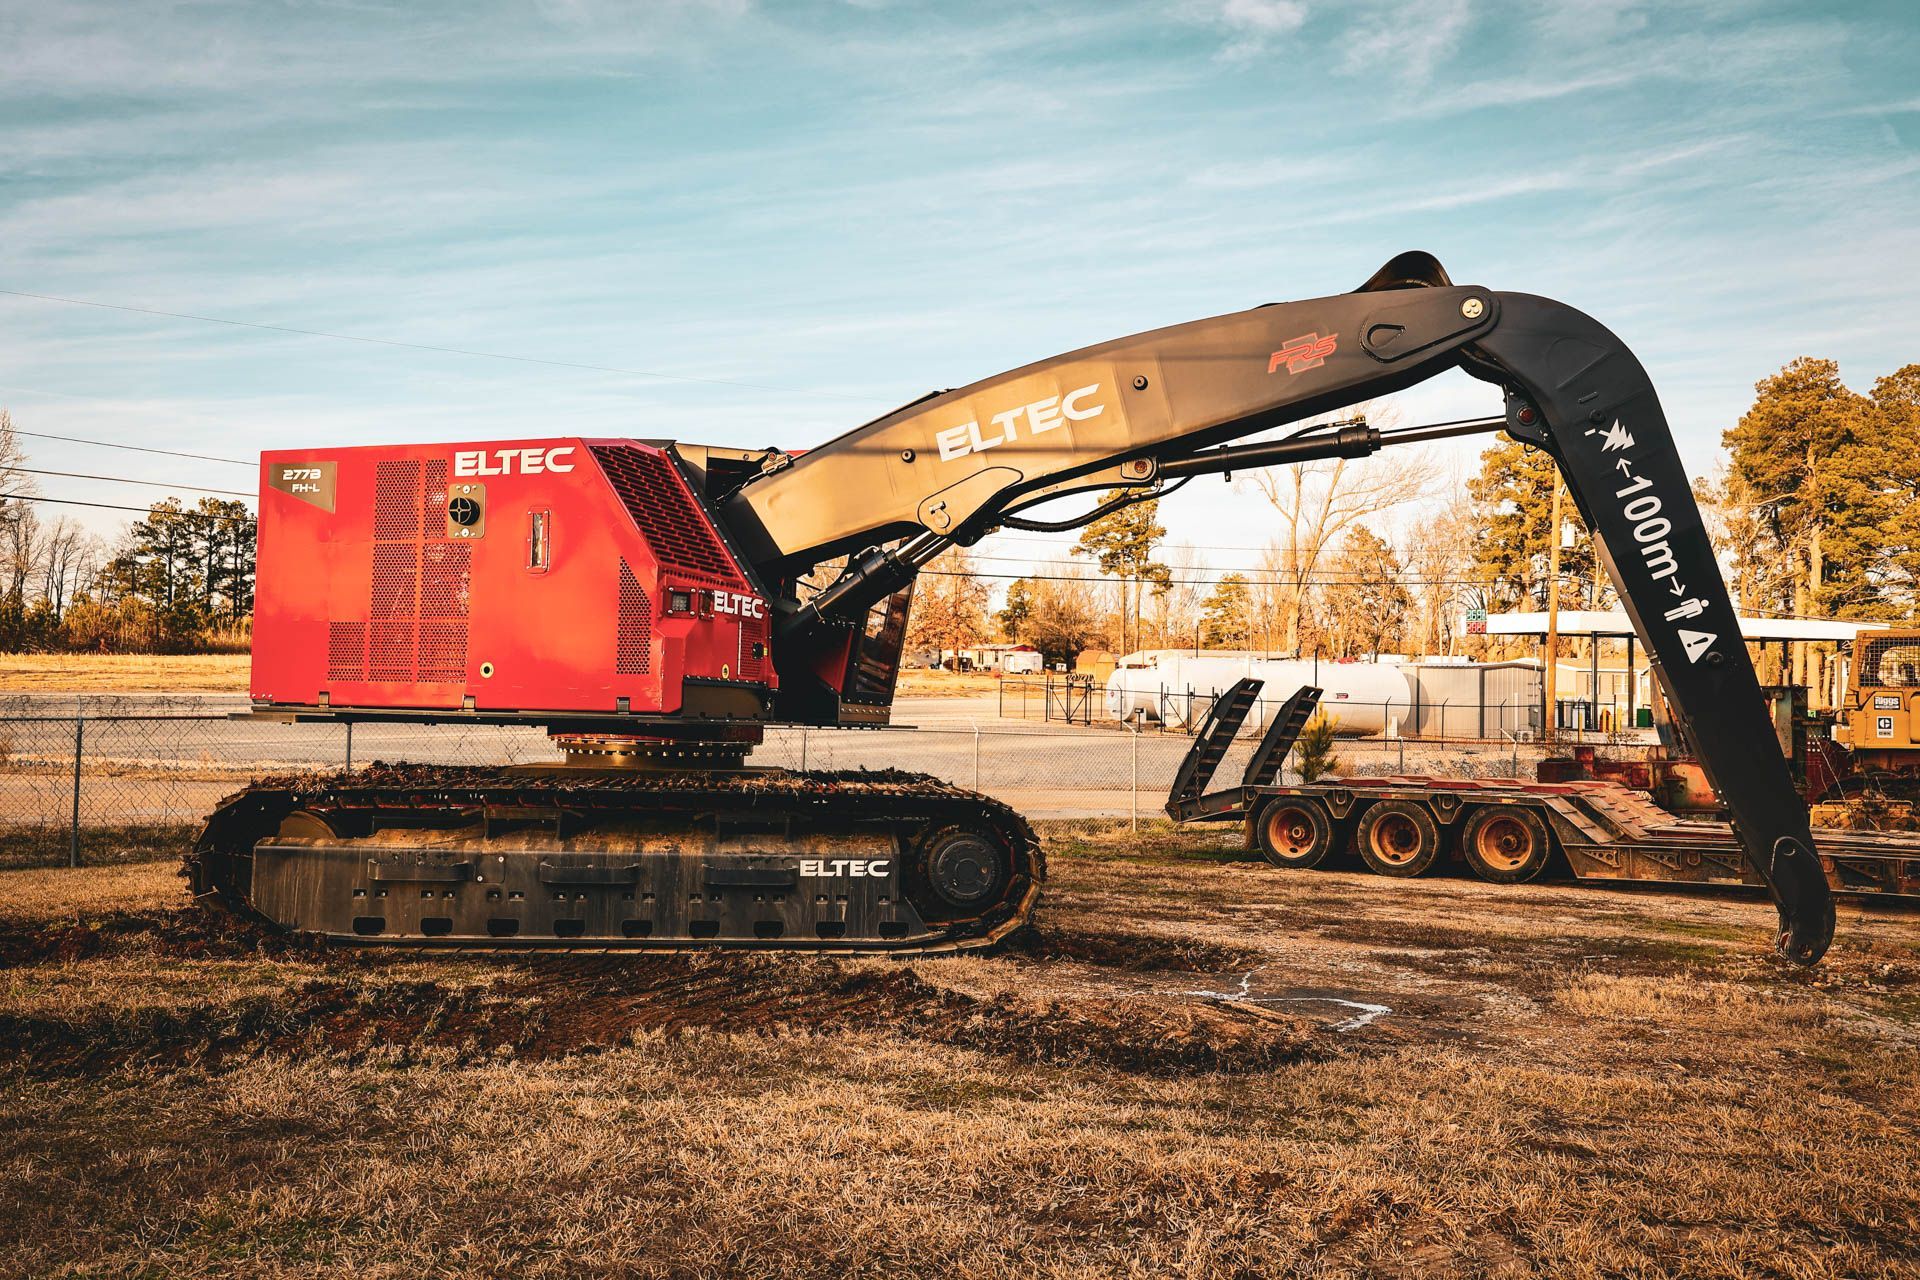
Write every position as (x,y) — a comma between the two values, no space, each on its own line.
(1361,698)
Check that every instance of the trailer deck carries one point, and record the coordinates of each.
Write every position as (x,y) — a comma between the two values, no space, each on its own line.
(1507,830)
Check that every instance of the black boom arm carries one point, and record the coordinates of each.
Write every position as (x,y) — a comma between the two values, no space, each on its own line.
(1577,392)
(1130,413)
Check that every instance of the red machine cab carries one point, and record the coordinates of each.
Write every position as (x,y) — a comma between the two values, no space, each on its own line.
(509,579)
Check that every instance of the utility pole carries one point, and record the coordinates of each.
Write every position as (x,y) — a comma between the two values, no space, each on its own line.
(1550,678)
(1816,569)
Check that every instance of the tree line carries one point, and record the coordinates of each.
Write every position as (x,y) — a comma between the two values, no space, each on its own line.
(176,580)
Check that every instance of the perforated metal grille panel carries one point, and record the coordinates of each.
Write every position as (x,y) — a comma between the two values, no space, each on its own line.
(396,571)
(753,631)
(666,512)
(443,652)
(346,651)
(433,508)
(634,655)
(417,574)
(390,651)
(444,577)
(396,499)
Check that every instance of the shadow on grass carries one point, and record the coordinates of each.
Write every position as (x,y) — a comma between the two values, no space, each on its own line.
(41,846)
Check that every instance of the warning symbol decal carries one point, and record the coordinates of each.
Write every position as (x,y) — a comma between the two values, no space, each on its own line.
(1697,642)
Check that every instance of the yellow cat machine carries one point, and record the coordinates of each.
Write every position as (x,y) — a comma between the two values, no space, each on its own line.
(1880,716)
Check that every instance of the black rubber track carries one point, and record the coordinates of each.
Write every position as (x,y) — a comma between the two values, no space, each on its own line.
(220,865)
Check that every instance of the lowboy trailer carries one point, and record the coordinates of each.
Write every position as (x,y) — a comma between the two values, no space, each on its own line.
(1505,831)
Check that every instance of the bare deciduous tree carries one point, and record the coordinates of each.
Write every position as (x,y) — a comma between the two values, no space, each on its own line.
(69,559)
(1439,551)
(1319,501)
(949,607)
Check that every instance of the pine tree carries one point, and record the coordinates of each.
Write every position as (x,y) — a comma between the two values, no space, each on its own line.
(1314,756)
(1122,543)
(1513,534)
(1223,616)
(1367,603)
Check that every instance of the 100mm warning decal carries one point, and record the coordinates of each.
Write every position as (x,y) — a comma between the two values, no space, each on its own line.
(1642,510)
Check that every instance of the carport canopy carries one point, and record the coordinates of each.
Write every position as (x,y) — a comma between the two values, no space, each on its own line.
(1613,624)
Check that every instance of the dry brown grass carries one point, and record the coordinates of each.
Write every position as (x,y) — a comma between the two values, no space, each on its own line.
(123,673)
(1570,1082)
(919,682)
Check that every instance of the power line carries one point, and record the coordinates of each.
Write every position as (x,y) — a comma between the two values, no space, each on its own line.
(157,484)
(424,346)
(1211,582)
(112,506)
(135,448)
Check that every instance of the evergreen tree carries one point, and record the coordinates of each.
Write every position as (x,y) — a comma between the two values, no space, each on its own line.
(1019,607)
(1366,604)
(1314,756)
(1223,614)
(1121,543)
(1808,462)
(1513,534)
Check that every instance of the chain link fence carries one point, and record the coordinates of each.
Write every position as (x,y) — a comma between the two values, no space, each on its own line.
(112,780)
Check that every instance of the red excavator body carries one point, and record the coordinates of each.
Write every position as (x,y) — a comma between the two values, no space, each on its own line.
(655,605)
(559,575)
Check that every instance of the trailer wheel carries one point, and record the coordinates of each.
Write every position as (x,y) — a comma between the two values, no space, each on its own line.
(1398,838)
(1505,843)
(1294,831)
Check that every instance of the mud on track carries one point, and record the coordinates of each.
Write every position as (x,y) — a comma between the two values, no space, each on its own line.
(354,1004)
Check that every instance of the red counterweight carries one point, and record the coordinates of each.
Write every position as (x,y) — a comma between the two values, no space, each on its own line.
(504,580)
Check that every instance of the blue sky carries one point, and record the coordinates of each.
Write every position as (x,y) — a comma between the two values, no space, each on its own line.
(856,202)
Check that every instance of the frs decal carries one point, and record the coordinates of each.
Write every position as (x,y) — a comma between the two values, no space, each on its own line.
(740,606)
(505,462)
(818,868)
(1308,351)
(1039,416)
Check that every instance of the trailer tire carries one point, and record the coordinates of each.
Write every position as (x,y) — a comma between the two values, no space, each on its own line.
(1294,832)
(1398,838)
(1505,843)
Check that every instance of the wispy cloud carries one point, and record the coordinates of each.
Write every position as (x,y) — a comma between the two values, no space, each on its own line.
(875,199)
(1254,25)
(1407,39)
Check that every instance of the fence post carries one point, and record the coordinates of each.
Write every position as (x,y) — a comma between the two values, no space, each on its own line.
(1134,796)
(79,740)
(803,748)
(349,746)
(976,756)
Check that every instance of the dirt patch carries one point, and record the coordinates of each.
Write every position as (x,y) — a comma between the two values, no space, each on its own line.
(1132,952)
(1530,964)
(193,933)
(549,1007)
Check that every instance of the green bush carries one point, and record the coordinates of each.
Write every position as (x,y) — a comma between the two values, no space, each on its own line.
(1314,756)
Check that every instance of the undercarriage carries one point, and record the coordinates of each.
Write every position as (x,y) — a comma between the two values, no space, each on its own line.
(623,859)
